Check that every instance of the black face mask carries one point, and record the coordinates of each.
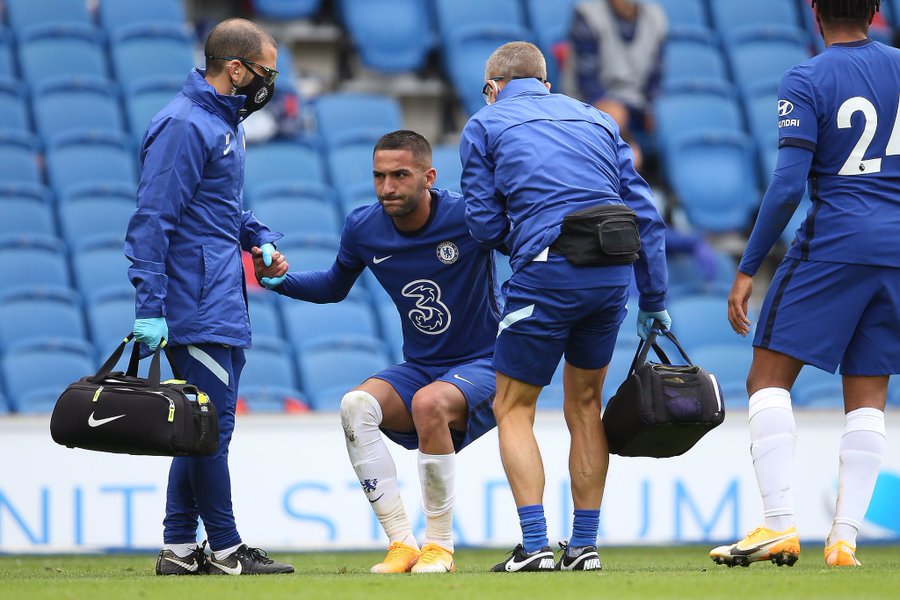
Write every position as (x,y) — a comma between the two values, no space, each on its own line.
(258,94)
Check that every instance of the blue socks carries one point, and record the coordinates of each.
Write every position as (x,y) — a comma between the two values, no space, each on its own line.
(534,527)
(585,527)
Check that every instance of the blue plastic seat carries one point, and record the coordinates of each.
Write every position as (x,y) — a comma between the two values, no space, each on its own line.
(132,46)
(298,214)
(466,51)
(730,364)
(333,367)
(346,117)
(350,165)
(617,372)
(19,161)
(22,14)
(762,55)
(110,316)
(310,252)
(686,277)
(714,175)
(403,46)
(96,210)
(281,163)
(729,15)
(26,209)
(96,158)
(815,388)
(453,15)
(550,21)
(115,14)
(306,322)
(8,68)
(690,13)
(285,10)
(390,325)
(63,105)
(64,50)
(761,106)
(40,312)
(36,373)
(265,318)
(445,160)
(790,230)
(355,196)
(692,58)
(13,108)
(100,264)
(33,261)
(145,98)
(703,320)
(270,362)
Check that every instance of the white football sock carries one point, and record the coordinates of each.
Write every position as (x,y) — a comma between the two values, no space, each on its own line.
(181,550)
(220,554)
(360,417)
(773,440)
(437,475)
(862,448)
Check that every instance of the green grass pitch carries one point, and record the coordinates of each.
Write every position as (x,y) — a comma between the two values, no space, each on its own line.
(646,572)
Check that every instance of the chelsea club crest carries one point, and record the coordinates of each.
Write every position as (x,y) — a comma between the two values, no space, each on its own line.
(447,252)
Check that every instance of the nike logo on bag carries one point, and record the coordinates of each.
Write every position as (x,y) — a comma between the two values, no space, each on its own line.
(456,376)
(98,422)
(378,261)
(230,570)
(191,566)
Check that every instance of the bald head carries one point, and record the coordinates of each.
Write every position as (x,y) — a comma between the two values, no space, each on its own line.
(235,37)
(516,60)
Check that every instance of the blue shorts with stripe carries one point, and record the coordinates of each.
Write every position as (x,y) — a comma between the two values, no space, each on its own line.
(829,314)
(475,379)
(539,326)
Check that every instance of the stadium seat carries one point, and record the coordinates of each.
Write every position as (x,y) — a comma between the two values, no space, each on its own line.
(685,13)
(33,261)
(714,175)
(761,107)
(730,364)
(8,68)
(13,108)
(170,46)
(390,325)
(95,158)
(19,161)
(26,209)
(267,398)
(331,368)
(686,277)
(310,252)
(306,323)
(22,14)
(145,98)
(38,313)
(728,15)
(281,163)
(91,210)
(893,398)
(63,105)
(445,160)
(617,372)
(99,264)
(790,231)
(297,213)
(110,316)
(350,165)
(64,50)
(403,46)
(550,22)
(270,362)
(453,15)
(35,373)
(286,10)
(265,319)
(356,196)
(692,58)
(346,117)
(762,55)
(466,51)
(815,388)
(699,321)
(115,14)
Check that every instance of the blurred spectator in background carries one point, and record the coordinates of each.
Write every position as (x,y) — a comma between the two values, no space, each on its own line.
(617,47)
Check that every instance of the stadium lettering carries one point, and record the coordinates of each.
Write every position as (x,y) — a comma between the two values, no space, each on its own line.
(291,497)
(789,123)
(684,499)
(35,538)
(127,492)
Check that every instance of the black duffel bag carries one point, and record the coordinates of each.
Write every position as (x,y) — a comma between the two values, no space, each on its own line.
(661,409)
(121,412)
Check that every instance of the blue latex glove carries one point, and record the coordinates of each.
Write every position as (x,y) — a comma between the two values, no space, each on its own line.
(267,250)
(151,331)
(270,283)
(645,321)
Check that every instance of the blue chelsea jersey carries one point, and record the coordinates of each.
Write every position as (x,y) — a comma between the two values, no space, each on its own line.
(440,279)
(844,105)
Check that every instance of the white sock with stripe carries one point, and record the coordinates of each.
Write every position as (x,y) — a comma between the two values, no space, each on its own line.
(773,440)
(437,475)
(862,449)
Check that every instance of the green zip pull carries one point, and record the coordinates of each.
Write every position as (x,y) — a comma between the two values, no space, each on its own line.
(171,410)
(97,394)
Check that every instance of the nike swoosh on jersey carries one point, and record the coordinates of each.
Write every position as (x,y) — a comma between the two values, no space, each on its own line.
(191,566)
(231,570)
(456,376)
(92,422)
(378,261)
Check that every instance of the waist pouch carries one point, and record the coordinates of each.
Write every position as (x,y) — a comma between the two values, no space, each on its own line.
(599,236)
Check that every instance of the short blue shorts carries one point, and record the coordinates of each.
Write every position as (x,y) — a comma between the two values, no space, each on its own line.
(830,314)
(541,325)
(476,380)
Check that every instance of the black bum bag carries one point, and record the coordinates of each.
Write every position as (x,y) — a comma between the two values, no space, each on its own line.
(599,236)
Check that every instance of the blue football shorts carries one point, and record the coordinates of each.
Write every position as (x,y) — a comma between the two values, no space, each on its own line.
(475,379)
(539,326)
(829,314)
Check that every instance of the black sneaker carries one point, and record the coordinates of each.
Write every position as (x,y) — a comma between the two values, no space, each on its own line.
(580,558)
(247,561)
(169,563)
(519,560)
